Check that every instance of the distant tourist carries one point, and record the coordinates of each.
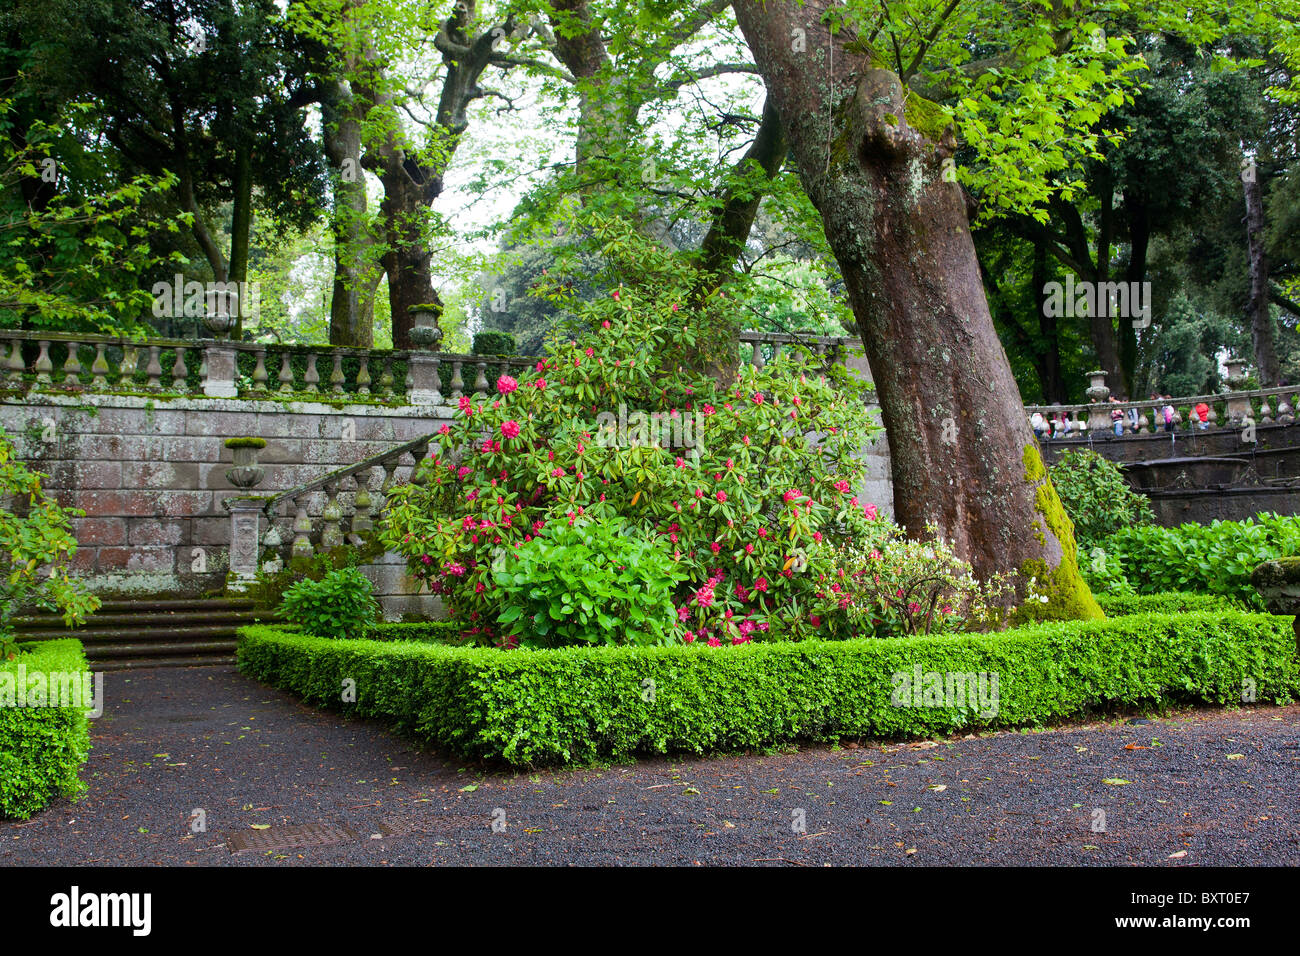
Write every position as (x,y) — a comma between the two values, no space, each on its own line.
(1039,424)
(1168,414)
(1202,416)
(1117,418)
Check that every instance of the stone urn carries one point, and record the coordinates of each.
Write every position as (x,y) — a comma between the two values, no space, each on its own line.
(245,473)
(425,333)
(1278,583)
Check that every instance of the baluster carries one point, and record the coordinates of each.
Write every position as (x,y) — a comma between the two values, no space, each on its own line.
(203,366)
(336,376)
(331,532)
(408,383)
(756,356)
(504,369)
(1285,410)
(301,530)
(777,348)
(363,375)
(457,383)
(480,380)
(390,467)
(154,369)
(99,368)
(420,453)
(15,361)
(260,377)
(286,374)
(43,364)
(271,544)
(1265,412)
(362,523)
(179,371)
(312,377)
(72,366)
(386,378)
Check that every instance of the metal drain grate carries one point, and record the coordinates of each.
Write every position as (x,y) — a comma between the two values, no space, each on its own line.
(284,838)
(402,826)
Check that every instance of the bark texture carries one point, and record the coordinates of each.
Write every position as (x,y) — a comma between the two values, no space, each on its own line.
(963,455)
(1258,311)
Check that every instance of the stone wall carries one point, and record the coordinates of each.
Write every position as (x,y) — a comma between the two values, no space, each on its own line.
(150,475)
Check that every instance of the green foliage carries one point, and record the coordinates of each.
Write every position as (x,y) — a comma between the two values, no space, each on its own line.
(41,748)
(35,542)
(1186,602)
(748,489)
(585,582)
(340,604)
(1096,497)
(1216,558)
(432,632)
(581,704)
(491,342)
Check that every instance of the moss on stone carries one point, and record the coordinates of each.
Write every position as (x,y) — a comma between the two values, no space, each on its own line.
(925,116)
(1068,597)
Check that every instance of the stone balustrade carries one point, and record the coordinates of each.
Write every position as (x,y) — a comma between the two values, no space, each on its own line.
(340,507)
(1263,406)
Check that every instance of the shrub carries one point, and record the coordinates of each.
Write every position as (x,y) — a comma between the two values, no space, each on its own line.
(490,342)
(35,542)
(582,704)
(897,587)
(41,748)
(1117,605)
(1096,497)
(340,604)
(588,582)
(432,632)
(737,486)
(1217,558)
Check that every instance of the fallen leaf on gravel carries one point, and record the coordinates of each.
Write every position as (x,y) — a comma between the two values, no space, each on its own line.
(1115,781)
(470,789)
(1178,856)
(1236,756)
(911,851)
(888,803)
(938,787)
(1135,747)
(260,826)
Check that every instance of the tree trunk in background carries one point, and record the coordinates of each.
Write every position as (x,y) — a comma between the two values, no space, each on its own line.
(963,456)
(352,301)
(241,223)
(1049,363)
(1263,334)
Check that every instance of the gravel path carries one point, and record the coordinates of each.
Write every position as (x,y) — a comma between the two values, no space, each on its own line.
(1204,787)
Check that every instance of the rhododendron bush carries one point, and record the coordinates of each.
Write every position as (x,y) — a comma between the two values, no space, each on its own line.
(747,489)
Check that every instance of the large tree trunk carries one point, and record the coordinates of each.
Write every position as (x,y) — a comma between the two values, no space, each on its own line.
(352,300)
(964,458)
(1262,332)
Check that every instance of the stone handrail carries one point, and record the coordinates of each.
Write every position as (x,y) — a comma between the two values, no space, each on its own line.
(246,511)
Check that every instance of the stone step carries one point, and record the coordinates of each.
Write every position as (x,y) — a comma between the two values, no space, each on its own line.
(146,620)
(102,635)
(161,649)
(180,661)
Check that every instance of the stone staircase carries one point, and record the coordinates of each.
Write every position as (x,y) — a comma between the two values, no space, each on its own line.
(152,633)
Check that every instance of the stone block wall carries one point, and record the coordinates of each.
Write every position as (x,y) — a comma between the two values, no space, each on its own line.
(150,475)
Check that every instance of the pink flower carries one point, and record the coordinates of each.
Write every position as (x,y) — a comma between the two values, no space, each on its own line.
(540,383)
(713,641)
(870,511)
(689,637)
(913,607)
(616,294)
(715,547)
(674,306)
(758,398)
(510,429)
(761,585)
(557,473)
(444,430)
(814,620)
(708,409)
(506,385)
(683,612)
(749,549)
(721,496)
(464,471)
(842,486)
(465,404)
(792,495)
(680,463)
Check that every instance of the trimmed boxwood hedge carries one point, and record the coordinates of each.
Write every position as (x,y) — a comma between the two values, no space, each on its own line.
(42,748)
(580,705)
(1174,602)
(435,632)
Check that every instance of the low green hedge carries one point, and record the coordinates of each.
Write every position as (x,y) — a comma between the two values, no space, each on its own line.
(41,748)
(1177,602)
(434,632)
(579,705)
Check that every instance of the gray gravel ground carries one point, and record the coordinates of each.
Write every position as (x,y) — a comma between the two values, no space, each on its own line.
(1204,787)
